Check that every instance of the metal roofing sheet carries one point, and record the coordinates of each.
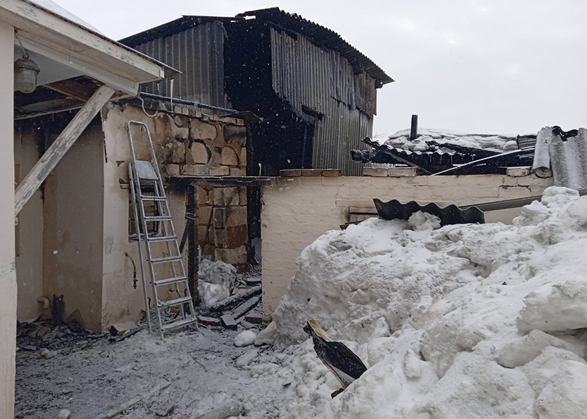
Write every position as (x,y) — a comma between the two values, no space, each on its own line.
(566,154)
(437,156)
(448,215)
(323,36)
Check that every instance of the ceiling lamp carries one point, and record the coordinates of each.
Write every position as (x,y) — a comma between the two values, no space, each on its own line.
(25,72)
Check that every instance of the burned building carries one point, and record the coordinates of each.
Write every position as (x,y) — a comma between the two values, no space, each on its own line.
(314,93)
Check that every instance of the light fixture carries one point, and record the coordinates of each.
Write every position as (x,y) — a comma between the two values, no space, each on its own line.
(25,72)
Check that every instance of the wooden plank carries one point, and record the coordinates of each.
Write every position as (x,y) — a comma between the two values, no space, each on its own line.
(72,89)
(234,299)
(245,307)
(57,150)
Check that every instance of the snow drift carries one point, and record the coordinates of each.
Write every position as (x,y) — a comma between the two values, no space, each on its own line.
(464,321)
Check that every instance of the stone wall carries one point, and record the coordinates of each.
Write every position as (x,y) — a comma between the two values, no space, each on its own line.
(200,145)
(298,209)
(222,223)
(195,144)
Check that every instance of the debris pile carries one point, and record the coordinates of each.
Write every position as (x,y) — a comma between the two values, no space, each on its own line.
(477,321)
(228,299)
(41,335)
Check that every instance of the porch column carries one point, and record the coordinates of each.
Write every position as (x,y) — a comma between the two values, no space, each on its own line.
(7,252)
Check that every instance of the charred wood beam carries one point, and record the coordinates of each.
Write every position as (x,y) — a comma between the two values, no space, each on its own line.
(221,305)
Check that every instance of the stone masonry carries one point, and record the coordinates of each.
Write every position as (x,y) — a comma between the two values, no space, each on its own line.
(195,144)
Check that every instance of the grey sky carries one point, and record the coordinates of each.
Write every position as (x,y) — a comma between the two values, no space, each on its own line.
(477,66)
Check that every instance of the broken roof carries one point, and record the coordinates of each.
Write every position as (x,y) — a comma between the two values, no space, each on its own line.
(318,34)
(433,151)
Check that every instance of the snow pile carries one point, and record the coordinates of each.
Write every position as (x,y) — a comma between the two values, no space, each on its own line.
(245,338)
(497,143)
(464,321)
(216,281)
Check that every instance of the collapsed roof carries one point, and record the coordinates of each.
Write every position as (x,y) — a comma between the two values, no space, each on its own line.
(433,151)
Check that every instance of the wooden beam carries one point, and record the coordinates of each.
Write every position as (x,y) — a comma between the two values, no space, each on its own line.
(72,89)
(57,150)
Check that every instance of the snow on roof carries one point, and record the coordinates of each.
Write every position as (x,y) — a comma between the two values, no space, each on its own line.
(489,142)
(56,9)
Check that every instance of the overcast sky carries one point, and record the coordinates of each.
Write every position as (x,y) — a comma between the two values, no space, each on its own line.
(477,66)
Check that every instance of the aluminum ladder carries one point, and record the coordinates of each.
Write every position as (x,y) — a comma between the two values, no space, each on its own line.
(166,268)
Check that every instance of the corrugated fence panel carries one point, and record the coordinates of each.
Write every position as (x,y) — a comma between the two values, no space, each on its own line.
(198,52)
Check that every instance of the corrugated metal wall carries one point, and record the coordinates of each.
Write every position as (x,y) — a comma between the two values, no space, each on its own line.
(324,81)
(198,53)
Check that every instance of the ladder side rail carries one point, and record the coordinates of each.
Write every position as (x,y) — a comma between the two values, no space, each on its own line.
(144,223)
(138,231)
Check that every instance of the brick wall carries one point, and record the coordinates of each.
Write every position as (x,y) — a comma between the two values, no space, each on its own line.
(297,210)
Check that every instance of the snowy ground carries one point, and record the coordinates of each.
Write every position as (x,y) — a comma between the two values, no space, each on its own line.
(89,377)
(464,321)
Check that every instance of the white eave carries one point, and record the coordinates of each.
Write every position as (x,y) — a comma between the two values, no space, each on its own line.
(71,44)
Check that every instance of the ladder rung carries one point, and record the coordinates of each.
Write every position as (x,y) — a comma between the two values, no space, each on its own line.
(171,280)
(166,259)
(162,238)
(178,301)
(181,323)
(153,198)
(158,218)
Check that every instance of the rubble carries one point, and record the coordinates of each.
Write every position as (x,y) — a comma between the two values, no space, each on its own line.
(229,322)
(121,328)
(247,358)
(47,354)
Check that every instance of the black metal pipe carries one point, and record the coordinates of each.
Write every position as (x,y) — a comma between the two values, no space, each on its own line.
(186,102)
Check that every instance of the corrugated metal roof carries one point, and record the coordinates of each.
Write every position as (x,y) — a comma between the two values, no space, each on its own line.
(448,215)
(196,48)
(322,36)
(565,153)
(438,155)
(317,33)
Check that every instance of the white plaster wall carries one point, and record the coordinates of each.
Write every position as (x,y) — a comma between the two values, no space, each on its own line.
(296,211)
(73,214)
(8,294)
(29,250)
